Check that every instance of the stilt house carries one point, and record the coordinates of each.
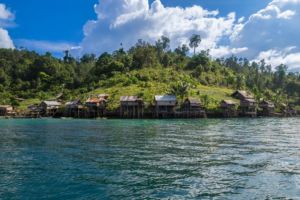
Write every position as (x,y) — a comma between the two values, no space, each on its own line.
(267,108)
(164,106)
(49,108)
(131,107)
(228,108)
(97,105)
(192,107)
(74,109)
(248,105)
(6,110)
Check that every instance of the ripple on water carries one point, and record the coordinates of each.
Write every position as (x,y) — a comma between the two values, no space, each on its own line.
(152,159)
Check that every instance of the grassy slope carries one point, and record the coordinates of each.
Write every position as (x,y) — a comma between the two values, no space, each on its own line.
(149,82)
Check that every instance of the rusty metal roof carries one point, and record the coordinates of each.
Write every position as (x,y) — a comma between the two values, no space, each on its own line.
(129,98)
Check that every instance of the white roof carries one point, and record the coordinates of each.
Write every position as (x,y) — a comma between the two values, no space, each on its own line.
(52,103)
(129,98)
(165,98)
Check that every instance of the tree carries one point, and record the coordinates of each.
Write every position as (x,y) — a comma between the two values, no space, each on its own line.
(182,50)
(195,41)
(180,89)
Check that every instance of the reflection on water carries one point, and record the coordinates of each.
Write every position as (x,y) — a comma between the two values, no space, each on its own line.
(153,159)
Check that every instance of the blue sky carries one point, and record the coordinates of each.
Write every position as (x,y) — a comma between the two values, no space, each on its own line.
(257,29)
(62,20)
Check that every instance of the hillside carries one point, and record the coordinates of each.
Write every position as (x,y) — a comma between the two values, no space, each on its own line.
(144,70)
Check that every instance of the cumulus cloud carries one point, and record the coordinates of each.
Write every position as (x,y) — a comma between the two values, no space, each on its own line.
(5,18)
(285,56)
(269,33)
(126,21)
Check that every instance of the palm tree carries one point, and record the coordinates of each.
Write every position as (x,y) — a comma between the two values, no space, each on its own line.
(180,89)
(195,41)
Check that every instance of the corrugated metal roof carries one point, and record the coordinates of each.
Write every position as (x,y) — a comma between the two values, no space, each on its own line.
(75,102)
(229,102)
(250,100)
(129,98)
(52,103)
(243,93)
(165,98)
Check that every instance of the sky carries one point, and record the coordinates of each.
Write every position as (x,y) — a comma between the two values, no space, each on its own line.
(256,29)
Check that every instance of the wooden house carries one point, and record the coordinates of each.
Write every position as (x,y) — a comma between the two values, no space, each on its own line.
(267,108)
(96,106)
(192,107)
(241,95)
(248,105)
(34,111)
(49,108)
(131,107)
(74,109)
(228,108)
(6,110)
(164,106)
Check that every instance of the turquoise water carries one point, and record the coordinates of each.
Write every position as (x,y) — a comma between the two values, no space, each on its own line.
(150,159)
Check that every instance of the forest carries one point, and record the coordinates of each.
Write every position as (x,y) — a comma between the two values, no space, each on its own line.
(145,69)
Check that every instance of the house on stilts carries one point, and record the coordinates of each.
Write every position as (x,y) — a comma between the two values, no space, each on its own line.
(131,107)
(96,106)
(266,108)
(193,108)
(248,105)
(6,110)
(49,108)
(228,108)
(164,106)
(74,109)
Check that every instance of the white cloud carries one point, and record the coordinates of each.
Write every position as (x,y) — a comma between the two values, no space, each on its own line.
(270,32)
(285,56)
(5,18)
(224,51)
(5,40)
(126,21)
(5,14)
(46,46)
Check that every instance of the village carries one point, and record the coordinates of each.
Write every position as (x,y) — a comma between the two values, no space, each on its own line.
(162,107)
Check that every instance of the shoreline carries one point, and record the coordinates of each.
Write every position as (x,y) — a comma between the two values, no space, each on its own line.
(146,118)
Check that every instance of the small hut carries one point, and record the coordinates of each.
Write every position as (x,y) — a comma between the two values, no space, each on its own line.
(6,110)
(228,108)
(49,108)
(165,105)
(267,108)
(97,105)
(192,107)
(248,105)
(34,111)
(131,107)
(242,95)
(74,109)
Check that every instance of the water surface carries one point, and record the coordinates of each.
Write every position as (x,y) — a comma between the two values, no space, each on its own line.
(152,159)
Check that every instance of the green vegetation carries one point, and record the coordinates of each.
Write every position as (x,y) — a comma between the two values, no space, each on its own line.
(144,70)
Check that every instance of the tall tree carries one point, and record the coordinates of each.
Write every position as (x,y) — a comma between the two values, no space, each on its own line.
(195,41)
